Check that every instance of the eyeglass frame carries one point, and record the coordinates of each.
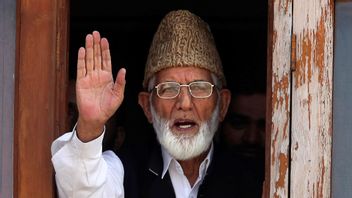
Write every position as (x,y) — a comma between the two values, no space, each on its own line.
(184,85)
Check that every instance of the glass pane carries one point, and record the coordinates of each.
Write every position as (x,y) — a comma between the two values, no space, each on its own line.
(342,106)
(7,71)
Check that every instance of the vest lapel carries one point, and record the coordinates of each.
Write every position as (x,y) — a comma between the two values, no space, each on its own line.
(157,187)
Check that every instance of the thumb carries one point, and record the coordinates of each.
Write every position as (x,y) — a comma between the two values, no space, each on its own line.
(120,83)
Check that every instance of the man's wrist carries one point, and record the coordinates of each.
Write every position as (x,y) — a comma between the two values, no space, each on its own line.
(87,131)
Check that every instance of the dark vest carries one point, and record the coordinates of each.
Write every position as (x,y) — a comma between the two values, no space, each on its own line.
(226,176)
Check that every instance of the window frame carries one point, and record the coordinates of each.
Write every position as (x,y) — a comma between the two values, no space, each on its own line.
(41,67)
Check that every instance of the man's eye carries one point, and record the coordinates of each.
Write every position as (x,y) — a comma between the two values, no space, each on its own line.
(169,89)
(238,122)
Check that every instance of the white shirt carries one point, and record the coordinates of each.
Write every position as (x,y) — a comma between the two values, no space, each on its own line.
(179,181)
(82,170)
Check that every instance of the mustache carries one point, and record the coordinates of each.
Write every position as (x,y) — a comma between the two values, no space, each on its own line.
(180,147)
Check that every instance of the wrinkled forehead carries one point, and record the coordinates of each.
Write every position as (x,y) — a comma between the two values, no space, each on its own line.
(183,75)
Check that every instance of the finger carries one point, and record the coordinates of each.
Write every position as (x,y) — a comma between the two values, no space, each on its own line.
(89,54)
(97,50)
(119,86)
(106,55)
(81,64)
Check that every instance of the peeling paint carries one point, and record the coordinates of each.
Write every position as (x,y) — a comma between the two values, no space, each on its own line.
(283,168)
(312,99)
(320,47)
(273,147)
(280,97)
(307,52)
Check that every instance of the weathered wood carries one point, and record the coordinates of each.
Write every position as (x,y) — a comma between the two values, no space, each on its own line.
(40,73)
(312,99)
(62,53)
(280,26)
(7,87)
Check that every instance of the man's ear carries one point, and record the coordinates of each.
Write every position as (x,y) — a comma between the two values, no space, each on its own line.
(225,98)
(143,101)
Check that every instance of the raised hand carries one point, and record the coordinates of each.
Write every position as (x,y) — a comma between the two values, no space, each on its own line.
(98,96)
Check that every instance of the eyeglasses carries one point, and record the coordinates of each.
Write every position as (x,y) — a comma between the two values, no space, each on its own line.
(197,89)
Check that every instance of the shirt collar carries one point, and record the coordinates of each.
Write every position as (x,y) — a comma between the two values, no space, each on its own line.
(167,158)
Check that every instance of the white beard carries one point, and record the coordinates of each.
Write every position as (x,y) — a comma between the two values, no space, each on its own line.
(184,147)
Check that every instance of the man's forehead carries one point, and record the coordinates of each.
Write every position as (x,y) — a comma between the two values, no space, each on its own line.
(183,73)
(250,105)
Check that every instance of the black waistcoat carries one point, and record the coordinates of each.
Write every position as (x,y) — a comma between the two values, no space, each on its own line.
(226,177)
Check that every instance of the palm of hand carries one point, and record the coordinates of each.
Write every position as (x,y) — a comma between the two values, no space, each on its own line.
(96,98)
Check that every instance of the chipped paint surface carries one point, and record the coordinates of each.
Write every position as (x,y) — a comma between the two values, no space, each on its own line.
(280,98)
(312,99)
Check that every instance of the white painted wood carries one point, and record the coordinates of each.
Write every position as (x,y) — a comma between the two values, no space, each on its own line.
(280,98)
(312,99)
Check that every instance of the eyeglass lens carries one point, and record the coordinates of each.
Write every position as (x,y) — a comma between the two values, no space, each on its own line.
(172,89)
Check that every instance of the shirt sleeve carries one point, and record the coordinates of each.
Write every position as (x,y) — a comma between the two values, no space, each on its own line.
(82,170)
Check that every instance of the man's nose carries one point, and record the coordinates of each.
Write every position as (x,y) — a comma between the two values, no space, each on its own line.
(184,99)
(252,134)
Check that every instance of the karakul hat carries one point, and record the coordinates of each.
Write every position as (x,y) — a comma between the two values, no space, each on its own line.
(183,40)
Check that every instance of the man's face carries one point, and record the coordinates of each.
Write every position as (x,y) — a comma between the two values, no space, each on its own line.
(184,112)
(244,126)
(184,147)
(185,118)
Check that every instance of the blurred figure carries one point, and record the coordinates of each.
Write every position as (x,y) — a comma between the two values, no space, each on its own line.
(244,126)
(243,130)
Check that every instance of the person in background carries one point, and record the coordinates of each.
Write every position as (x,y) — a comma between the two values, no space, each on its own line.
(243,130)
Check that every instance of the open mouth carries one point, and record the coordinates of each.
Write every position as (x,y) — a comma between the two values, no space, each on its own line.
(185,125)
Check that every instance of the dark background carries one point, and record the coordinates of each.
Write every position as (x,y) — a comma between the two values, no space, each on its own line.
(239,29)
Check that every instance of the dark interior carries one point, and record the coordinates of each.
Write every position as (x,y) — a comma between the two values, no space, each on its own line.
(239,29)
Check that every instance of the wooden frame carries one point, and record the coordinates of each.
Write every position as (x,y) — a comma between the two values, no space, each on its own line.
(41,78)
(299,124)
(278,99)
(299,134)
(311,137)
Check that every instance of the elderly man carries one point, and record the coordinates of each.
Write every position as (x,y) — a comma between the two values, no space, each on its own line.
(184,99)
